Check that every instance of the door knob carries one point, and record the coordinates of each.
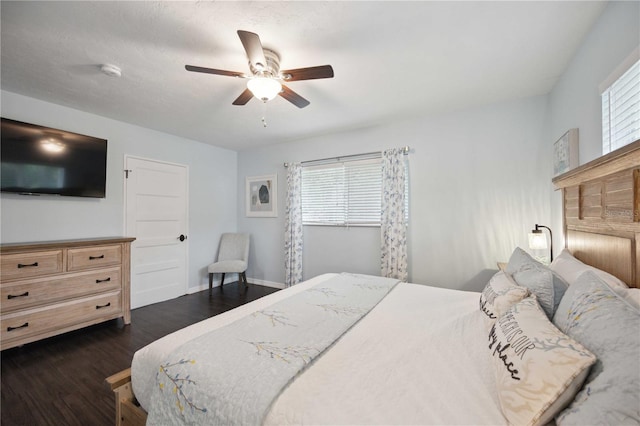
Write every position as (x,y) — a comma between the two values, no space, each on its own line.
(182,237)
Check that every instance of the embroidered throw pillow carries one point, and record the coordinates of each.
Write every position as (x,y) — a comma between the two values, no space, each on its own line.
(540,280)
(593,313)
(500,293)
(538,368)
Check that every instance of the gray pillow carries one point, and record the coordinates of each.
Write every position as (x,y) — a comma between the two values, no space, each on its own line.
(540,280)
(609,326)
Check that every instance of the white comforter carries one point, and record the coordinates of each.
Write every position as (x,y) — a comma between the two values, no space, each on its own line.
(419,357)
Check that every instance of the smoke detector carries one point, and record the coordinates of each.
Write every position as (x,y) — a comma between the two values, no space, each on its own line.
(111,70)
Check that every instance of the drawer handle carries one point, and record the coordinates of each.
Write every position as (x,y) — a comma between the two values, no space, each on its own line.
(25,325)
(96,257)
(103,281)
(15,296)
(22,265)
(103,306)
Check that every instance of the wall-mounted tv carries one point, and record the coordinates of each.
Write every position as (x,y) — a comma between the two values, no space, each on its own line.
(40,160)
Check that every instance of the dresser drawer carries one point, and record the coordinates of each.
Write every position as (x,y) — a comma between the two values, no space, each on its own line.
(33,264)
(52,319)
(93,257)
(38,291)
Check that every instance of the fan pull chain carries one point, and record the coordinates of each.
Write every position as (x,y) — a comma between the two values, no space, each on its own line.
(264,113)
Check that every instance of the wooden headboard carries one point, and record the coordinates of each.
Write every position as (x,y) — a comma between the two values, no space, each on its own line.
(601,212)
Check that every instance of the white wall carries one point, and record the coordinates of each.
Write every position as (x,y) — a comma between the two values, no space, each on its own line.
(212,185)
(479,178)
(575,100)
(479,181)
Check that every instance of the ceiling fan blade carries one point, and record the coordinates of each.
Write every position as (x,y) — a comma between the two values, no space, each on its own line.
(253,47)
(293,97)
(310,73)
(243,98)
(214,71)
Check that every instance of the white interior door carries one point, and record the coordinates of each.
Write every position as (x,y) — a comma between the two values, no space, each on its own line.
(156,215)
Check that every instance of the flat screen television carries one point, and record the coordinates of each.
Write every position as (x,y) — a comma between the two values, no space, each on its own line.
(39,160)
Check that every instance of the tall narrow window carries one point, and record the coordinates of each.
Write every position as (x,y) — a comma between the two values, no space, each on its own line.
(621,110)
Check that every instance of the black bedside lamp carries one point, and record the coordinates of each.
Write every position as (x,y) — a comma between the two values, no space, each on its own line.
(538,240)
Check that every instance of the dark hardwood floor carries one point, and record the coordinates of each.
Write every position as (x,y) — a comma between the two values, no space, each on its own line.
(60,380)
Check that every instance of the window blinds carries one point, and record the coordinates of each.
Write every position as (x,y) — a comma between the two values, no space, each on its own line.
(343,194)
(621,111)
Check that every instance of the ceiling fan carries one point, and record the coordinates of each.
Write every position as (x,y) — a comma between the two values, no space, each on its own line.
(266,78)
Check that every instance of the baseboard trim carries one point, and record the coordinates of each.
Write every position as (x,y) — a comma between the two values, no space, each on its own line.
(202,287)
(265,283)
(216,283)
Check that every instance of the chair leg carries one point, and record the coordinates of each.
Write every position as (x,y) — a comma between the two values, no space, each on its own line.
(244,278)
(210,281)
(222,280)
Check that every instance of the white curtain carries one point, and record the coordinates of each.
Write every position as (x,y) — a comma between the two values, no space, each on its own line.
(293,227)
(393,227)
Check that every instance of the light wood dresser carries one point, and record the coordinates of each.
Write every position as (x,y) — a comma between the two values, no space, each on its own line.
(52,287)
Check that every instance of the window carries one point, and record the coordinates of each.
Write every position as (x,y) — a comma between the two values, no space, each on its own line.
(621,110)
(347,193)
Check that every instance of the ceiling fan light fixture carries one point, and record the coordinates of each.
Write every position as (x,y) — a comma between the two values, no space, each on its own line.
(265,78)
(264,88)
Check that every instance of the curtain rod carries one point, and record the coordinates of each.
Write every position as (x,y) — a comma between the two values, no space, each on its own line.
(405,151)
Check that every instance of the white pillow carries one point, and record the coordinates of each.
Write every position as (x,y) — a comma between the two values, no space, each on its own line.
(570,269)
(539,369)
(500,293)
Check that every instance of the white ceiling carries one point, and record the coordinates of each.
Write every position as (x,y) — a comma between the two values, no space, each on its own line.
(391,60)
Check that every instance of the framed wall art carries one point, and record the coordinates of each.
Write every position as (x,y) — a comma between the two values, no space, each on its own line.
(262,196)
(565,152)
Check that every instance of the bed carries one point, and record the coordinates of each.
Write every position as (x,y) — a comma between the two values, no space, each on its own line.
(426,355)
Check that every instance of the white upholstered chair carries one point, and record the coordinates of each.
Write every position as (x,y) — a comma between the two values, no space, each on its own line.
(233,257)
